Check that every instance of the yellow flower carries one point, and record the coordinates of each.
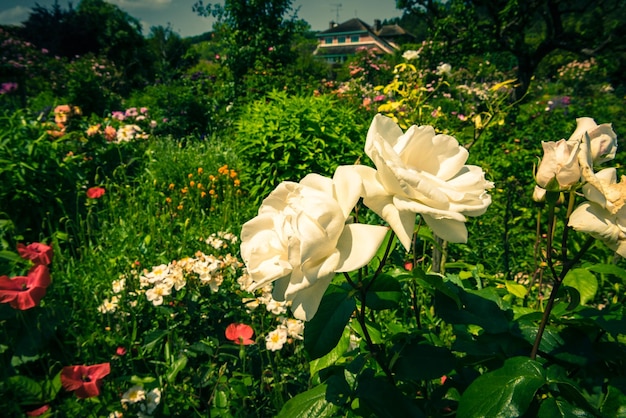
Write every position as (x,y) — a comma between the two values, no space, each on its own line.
(192,183)
(200,171)
(190,175)
(171,186)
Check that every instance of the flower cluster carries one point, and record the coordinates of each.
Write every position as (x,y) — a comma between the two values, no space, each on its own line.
(129,125)
(304,232)
(63,114)
(288,330)
(25,292)
(203,188)
(568,165)
(161,281)
(140,400)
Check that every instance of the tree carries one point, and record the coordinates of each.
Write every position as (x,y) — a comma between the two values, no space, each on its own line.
(95,27)
(256,34)
(171,52)
(529,30)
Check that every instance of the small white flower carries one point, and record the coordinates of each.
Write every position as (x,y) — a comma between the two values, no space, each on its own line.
(155,295)
(109,306)
(134,394)
(275,340)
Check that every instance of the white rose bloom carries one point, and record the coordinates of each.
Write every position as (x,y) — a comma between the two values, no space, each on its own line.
(593,219)
(444,69)
(300,239)
(410,55)
(602,137)
(421,172)
(559,169)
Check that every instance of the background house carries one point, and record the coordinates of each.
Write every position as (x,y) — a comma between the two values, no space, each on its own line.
(340,41)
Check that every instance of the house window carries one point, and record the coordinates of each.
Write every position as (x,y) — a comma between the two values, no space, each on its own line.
(328,41)
(354,38)
(341,39)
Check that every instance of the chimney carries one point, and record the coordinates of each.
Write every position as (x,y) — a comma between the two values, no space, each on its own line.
(377,25)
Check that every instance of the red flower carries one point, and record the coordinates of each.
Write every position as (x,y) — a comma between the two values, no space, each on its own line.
(25,292)
(39,411)
(95,192)
(240,334)
(85,381)
(120,351)
(37,252)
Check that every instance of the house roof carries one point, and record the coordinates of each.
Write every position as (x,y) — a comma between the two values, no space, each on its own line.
(351,26)
(392,30)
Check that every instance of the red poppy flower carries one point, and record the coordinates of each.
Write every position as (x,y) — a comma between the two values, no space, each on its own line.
(120,351)
(37,252)
(240,334)
(95,192)
(85,381)
(25,292)
(39,411)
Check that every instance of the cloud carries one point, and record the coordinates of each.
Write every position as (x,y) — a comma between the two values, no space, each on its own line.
(141,4)
(15,15)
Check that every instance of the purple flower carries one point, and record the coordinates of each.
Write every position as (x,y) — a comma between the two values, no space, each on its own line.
(8,87)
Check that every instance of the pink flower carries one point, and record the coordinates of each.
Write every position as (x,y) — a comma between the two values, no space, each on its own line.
(118,115)
(37,252)
(85,381)
(240,334)
(95,192)
(120,351)
(39,411)
(25,292)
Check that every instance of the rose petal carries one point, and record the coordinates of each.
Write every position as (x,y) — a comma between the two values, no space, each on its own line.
(358,245)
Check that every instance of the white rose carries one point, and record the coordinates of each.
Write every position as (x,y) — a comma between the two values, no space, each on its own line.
(593,219)
(559,169)
(300,239)
(444,69)
(410,55)
(602,137)
(421,172)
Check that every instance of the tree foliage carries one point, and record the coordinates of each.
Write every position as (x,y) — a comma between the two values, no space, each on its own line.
(256,34)
(529,30)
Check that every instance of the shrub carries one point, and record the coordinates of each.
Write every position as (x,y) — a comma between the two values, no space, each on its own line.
(285,137)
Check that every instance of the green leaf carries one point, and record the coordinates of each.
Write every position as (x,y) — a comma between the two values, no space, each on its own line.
(334,354)
(555,408)
(309,404)
(505,392)
(384,293)
(516,289)
(384,399)
(423,361)
(323,332)
(176,367)
(584,281)
(25,389)
(614,404)
(609,269)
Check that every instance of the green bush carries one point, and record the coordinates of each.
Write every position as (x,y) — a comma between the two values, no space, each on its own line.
(286,137)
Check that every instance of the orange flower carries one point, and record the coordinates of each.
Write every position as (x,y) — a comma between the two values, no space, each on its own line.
(200,171)
(192,183)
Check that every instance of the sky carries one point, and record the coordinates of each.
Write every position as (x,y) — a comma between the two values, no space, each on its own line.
(179,14)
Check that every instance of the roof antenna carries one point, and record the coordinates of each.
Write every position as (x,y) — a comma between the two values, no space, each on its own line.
(336,8)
